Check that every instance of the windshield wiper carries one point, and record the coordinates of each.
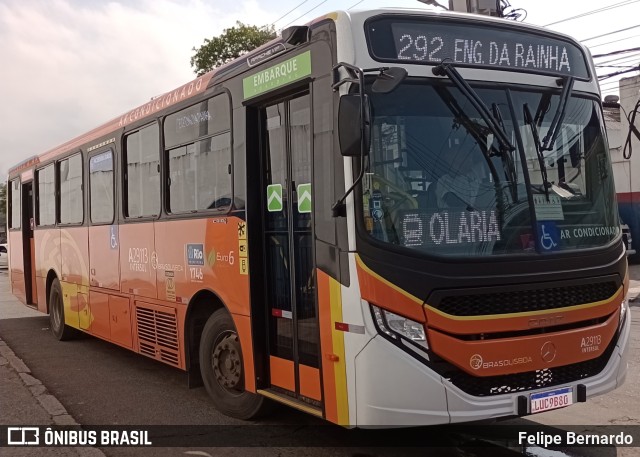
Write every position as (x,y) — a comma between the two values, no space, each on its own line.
(554,128)
(495,125)
(528,119)
(479,134)
(510,168)
(447,69)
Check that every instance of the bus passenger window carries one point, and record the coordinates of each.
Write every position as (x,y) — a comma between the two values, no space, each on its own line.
(71,195)
(46,201)
(14,199)
(142,178)
(101,187)
(198,143)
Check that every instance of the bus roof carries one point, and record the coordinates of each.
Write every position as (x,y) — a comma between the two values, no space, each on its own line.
(201,83)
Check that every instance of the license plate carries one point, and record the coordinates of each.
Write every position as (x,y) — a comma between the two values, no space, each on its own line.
(551,399)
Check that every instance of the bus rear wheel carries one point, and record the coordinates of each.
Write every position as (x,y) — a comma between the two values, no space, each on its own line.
(222,369)
(60,330)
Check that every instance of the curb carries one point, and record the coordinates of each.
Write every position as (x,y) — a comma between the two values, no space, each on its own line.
(47,401)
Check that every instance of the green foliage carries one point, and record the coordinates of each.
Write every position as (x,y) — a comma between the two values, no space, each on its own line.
(232,43)
(3,198)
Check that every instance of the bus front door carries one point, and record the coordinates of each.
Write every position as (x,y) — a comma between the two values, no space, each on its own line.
(28,247)
(290,282)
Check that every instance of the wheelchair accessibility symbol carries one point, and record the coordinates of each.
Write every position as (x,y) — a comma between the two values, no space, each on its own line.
(113,239)
(548,235)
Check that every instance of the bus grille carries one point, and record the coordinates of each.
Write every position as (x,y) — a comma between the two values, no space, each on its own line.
(157,332)
(526,300)
(521,382)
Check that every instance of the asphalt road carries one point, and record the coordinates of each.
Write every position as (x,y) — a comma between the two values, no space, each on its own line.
(102,384)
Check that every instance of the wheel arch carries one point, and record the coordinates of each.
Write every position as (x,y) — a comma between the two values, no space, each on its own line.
(201,306)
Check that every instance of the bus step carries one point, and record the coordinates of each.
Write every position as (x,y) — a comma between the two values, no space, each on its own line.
(285,399)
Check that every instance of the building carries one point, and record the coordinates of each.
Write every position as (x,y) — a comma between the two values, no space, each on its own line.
(626,170)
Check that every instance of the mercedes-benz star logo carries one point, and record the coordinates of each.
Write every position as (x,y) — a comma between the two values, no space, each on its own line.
(476,361)
(548,352)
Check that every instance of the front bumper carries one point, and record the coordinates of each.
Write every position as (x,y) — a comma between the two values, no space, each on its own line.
(395,389)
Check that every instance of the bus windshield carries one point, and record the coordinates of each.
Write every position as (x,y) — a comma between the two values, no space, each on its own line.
(438,180)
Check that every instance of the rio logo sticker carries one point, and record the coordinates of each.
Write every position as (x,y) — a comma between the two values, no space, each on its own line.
(195,254)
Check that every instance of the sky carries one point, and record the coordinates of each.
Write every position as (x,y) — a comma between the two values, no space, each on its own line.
(67,66)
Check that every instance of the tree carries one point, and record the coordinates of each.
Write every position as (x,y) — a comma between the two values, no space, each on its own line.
(232,43)
(3,198)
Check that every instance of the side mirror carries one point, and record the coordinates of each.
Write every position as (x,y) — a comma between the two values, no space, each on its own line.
(388,80)
(349,121)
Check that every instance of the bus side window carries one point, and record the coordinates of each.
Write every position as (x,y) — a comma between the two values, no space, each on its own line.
(71,194)
(101,187)
(142,177)
(46,196)
(198,153)
(15,213)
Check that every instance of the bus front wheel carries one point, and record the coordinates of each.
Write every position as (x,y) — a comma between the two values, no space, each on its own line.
(56,314)
(222,369)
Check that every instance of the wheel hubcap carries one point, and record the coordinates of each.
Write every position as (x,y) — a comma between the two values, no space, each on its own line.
(226,362)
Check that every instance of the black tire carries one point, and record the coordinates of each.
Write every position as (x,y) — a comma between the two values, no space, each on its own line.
(60,330)
(222,370)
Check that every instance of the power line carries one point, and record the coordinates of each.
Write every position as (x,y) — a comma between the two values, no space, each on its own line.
(290,11)
(610,83)
(611,33)
(635,67)
(599,10)
(614,83)
(631,67)
(633,61)
(621,72)
(617,85)
(617,89)
(614,41)
(623,64)
(612,53)
(300,17)
(624,59)
(355,4)
(616,66)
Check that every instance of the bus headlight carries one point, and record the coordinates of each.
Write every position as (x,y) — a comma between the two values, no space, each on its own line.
(398,327)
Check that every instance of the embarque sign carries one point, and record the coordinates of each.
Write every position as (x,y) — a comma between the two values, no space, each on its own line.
(277,75)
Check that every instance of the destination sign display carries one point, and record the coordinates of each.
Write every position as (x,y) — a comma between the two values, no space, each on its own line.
(473,44)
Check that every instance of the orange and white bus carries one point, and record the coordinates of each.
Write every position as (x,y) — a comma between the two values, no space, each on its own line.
(389,217)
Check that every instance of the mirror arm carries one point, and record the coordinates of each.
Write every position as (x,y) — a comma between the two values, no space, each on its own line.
(355,75)
(336,86)
(359,72)
(338,209)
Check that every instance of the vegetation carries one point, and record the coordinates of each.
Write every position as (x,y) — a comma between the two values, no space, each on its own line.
(3,198)
(231,44)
